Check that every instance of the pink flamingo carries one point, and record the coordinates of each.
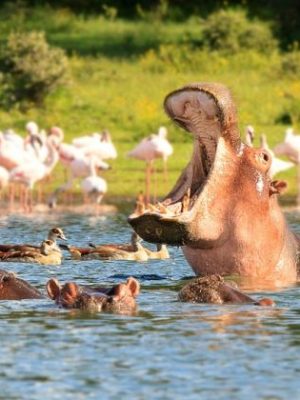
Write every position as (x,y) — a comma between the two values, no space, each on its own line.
(99,145)
(290,148)
(150,148)
(93,185)
(11,154)
(79,168)
(29,173)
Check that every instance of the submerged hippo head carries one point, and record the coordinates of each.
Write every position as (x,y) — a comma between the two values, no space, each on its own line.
(213,289)
(14,288)
(222,209)
(119,299)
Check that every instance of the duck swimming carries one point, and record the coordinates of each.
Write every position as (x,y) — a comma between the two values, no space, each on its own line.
(47,254)
(133,251)
(162,252)
(53,235)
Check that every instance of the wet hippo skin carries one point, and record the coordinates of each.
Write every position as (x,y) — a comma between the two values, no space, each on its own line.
(119,299)
(213,289)
(223,210)
(14,288)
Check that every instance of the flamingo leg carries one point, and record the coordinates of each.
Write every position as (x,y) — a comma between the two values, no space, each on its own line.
(148,180)
(154,171)
(22,197)
(30,200)
(40,192)
(85,198)
(25,200)
(53,197)
(298,184)
(11,194)
(165,171)
(98,201)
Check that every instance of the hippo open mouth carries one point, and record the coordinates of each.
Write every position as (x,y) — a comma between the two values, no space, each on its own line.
(207,111)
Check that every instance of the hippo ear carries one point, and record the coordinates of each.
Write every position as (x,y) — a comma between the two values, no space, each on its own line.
(134,286)
(277,187)
(69,294)
(119,291)
(53,289)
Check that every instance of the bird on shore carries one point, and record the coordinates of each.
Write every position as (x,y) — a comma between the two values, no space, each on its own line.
(93,186)
(150,148)
(290,148)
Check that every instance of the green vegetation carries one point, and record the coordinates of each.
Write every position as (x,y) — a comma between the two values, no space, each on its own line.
(121,71)
(230,31)
(30,69)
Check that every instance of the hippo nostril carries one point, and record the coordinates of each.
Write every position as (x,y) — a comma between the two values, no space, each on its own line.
(266,157)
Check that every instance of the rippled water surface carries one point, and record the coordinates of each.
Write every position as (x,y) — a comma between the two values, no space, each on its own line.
(170,350)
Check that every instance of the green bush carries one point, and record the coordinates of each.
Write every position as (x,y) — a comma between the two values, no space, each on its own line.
(30,69)
(231,31)
(290,64)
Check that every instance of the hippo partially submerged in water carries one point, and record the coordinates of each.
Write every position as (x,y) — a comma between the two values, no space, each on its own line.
(223,210)
(213,289)
(119,299)
(14,288)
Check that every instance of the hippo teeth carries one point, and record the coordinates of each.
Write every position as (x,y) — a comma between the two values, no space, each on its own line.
(182,198)
(167,209)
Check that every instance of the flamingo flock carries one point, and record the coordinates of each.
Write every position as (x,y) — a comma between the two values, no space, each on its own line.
(26,163)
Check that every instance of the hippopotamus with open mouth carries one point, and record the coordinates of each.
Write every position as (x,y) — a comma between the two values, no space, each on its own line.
(223,210)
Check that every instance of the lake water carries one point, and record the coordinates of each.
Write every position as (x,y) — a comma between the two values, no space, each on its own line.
(170,350)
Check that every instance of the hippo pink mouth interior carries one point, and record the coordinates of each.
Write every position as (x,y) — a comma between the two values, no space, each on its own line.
(167,222)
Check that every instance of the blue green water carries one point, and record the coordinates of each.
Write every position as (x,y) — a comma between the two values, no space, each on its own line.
(170,350)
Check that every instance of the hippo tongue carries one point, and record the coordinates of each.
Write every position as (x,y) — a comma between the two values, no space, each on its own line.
(208,112)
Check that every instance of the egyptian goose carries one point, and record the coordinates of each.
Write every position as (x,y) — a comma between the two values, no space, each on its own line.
(133,252)
(46,254)
(53,235)
(162,252)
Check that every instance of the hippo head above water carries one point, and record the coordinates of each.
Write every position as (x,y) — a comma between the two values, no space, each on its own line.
(223,210)
(119,299)
(214,289)
(14,288)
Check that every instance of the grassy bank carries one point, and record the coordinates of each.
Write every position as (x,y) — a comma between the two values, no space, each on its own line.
(120,74)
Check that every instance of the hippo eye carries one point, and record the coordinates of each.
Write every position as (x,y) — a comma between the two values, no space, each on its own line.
(5,278)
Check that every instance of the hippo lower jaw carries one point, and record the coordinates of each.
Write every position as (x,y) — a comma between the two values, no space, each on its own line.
(182,218)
